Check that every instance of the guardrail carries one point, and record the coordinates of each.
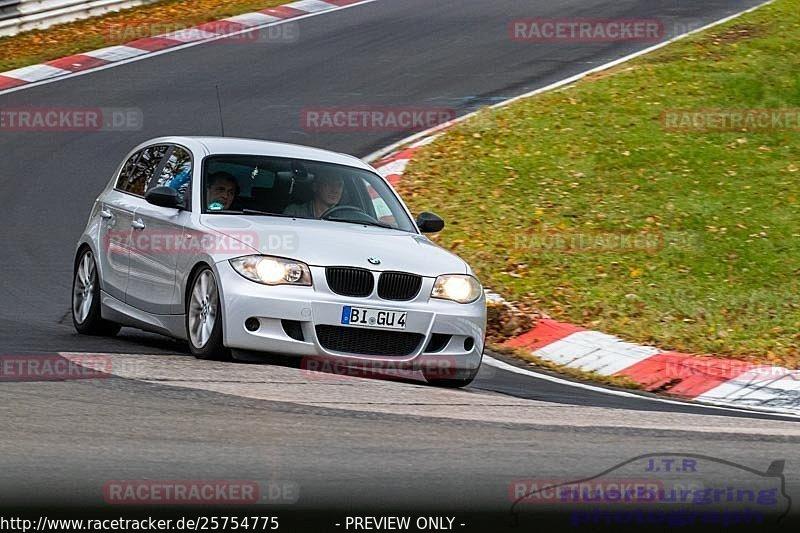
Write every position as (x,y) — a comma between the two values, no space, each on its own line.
(8,8)
(22,15)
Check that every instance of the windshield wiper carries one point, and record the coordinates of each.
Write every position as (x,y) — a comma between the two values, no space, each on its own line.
(257,212)
(377,223)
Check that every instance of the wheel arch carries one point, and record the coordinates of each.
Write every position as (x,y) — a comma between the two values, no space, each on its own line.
(84,245)
(200,265)
(197,267)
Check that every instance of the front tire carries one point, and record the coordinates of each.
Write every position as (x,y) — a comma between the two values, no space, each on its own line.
(451,383)
(86,315)
(204,318)
(446,376)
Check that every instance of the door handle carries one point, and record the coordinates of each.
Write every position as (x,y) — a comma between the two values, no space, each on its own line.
(106,214)
(137,224)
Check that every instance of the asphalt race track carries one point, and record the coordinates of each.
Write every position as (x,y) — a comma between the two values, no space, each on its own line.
(346,444)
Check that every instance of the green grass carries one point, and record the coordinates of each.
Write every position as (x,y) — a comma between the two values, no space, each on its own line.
(595,157)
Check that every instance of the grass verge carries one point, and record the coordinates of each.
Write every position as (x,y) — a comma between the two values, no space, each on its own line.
(38,46)
(582,202)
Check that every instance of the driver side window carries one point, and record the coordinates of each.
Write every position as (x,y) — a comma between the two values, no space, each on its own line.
(177,173)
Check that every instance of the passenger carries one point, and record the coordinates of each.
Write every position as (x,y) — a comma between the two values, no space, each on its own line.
(327,195)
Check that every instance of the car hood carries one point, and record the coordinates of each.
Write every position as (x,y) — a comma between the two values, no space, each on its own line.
(319,243)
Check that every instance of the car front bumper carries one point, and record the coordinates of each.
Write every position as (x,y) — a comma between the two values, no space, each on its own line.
(309,307)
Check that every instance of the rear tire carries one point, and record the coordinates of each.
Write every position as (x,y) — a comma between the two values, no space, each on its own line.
(204,318)
(86,316)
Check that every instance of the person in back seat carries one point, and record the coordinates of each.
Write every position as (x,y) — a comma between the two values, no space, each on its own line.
(327,194)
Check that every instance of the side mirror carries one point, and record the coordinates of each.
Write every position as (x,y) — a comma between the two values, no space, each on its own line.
(164,197)
(429,223)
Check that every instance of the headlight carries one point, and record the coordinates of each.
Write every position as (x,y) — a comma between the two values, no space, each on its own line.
(457,287)
(272,270)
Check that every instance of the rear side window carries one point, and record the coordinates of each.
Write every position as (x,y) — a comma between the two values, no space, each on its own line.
(139,170)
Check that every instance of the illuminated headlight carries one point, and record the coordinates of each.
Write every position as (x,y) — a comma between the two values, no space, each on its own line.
(457,287)
(272,270)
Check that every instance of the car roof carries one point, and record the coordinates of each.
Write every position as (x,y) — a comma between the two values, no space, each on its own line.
(232,145)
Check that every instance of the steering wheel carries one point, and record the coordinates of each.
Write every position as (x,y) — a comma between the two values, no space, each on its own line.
(359,213)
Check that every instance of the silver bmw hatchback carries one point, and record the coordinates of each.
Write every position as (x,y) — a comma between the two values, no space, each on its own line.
(243,247)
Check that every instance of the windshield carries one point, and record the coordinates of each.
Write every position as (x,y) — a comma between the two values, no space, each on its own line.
(275,186)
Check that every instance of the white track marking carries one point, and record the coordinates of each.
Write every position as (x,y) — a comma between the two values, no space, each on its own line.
(188,35)
(252,19)
(774,388)
(115,53)
(34,73)
(596,352)
(613,392)
(395,167)
(312,6)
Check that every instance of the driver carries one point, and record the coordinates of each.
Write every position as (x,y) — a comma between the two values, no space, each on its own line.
(327,194)
(221,191)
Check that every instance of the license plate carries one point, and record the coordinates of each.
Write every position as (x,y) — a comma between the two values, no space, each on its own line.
(373,318)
